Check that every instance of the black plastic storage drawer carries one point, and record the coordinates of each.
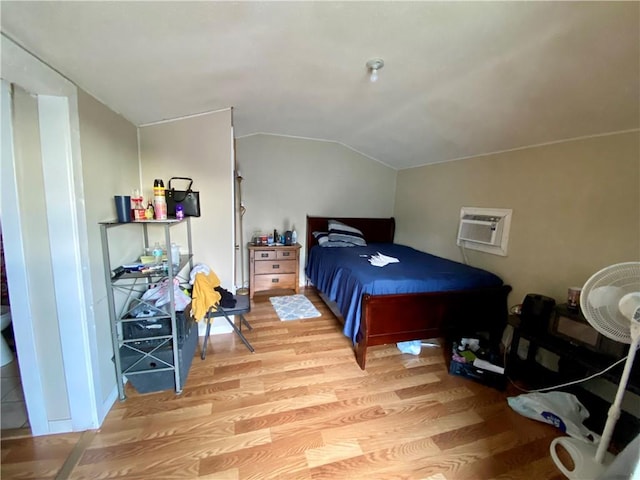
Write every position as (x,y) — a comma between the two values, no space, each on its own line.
(145,328)
(485,377)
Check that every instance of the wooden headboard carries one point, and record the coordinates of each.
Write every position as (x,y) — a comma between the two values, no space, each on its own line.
(375,230)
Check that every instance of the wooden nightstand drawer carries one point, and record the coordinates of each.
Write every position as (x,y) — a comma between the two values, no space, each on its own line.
(266,255)
(276,267)
(286,254)
(269,282)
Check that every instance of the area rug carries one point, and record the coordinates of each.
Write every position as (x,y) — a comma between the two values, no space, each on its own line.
(293,307)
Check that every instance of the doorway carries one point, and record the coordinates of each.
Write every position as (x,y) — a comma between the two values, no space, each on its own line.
(13,407)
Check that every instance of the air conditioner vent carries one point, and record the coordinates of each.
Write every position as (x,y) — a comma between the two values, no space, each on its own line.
(485,229)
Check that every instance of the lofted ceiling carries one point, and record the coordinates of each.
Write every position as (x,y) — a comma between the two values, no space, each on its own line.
(460,78)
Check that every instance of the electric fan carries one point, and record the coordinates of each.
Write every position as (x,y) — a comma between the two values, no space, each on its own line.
(610,301)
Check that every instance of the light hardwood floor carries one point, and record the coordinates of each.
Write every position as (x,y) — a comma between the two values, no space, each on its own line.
(301,408)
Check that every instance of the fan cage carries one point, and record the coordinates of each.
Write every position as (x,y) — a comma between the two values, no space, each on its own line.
(607,319)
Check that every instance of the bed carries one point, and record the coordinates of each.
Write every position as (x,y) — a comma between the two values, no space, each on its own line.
(390,304)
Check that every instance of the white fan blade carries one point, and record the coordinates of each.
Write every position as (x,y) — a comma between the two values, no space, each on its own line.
(629,305)
(604,296)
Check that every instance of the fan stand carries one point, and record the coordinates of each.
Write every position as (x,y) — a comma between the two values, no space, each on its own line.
(588,461)
(242,290)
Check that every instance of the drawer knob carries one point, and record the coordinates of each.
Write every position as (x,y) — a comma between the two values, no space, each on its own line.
(264,255)
(275,280)
(286,254)
(275,265)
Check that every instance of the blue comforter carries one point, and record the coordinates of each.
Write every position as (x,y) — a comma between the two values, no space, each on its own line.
(345,274)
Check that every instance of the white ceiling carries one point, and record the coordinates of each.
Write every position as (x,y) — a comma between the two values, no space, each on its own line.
(460,78)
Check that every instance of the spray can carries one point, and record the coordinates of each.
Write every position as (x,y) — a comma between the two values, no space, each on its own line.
(159,202)
(158,188)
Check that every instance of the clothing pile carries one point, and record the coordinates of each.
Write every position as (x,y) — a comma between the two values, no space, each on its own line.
(207,292)
(380,260)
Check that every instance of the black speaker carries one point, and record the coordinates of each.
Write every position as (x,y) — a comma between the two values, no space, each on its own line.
(536,312)
(288,237)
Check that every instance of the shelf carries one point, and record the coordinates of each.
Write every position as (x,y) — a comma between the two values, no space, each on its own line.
(184,260)
(575,361)
(151,350)
(113,223)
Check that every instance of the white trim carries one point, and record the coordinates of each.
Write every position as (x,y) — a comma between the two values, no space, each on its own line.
(66,257)
(526,147)
(184,117)
(15,261)
(60,426)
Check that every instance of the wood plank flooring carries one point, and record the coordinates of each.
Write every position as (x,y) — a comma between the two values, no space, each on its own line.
(300,408)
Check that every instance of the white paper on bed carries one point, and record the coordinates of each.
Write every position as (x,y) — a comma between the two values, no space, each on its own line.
(380,260)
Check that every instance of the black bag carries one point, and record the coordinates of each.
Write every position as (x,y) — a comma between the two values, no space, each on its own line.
(189,199)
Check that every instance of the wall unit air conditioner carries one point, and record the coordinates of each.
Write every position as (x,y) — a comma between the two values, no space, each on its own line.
(485,229)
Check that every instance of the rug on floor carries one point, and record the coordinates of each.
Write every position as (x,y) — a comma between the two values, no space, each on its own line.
(293,307)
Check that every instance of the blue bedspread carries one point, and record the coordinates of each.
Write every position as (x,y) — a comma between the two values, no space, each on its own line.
(345,274)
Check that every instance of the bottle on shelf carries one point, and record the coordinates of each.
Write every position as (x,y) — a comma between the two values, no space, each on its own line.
(157,253)
(294,237)
(175,255)
(149,212)
(159,201)
(136,205)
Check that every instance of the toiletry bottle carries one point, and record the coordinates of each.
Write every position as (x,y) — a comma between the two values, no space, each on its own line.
(294,237)
(148,213)
(175,255)
(157,253)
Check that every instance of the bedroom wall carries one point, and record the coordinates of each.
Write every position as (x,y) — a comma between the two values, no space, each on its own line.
(199,147)
(576,209)
(285,179)
(106,139)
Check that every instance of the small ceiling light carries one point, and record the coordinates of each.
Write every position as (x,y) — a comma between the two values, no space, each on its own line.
(373,66)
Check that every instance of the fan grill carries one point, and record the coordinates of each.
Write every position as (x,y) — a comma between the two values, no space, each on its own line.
(600,297)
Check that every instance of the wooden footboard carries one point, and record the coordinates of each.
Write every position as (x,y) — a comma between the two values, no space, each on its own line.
(398,318)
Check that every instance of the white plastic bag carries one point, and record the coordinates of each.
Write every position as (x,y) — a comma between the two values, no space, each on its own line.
(412,346)
(159,295)
(561,409)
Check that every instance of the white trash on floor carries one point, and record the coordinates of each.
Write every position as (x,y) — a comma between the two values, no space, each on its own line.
(561,409)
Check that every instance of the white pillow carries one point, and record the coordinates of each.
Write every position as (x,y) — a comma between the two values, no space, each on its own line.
(339,232)
(323,240)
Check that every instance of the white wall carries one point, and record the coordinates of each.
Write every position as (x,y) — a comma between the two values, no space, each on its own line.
(199,147)
(285,179)
(576,209)
(109,145)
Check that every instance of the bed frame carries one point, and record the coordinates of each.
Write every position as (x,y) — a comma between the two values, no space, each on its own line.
(398,318)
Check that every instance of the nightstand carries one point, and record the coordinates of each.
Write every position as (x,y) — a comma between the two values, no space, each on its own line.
(273,267)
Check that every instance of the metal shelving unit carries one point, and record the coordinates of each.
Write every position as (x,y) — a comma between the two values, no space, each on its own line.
(154,356)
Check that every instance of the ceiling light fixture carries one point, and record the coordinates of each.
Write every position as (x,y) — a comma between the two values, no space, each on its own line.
(373,66)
